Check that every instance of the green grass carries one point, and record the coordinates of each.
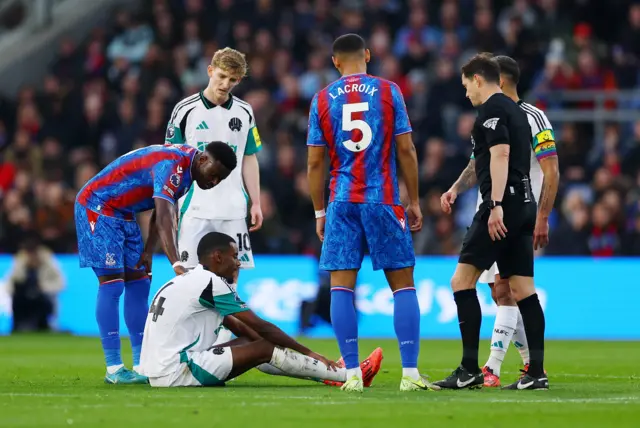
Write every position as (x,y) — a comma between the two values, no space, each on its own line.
(54,381)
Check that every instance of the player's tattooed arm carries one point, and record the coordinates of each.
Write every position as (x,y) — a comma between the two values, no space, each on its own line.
(467,178)
(166,223)
(550,182)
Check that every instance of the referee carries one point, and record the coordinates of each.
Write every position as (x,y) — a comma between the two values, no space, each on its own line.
(502,229)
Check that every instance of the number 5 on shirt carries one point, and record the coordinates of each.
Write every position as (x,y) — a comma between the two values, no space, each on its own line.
(348,124)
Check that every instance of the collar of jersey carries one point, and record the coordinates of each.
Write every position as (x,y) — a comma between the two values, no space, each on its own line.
(209,105)
(352,75)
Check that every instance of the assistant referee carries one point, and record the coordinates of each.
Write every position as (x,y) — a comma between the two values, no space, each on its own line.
(502,229)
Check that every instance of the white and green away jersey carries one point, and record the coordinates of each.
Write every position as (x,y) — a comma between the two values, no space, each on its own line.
(197,122)
(185,314)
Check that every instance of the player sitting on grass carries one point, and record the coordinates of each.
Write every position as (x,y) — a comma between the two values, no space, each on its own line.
(187,312)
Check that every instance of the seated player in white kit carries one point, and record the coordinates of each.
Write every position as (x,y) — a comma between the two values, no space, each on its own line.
(187,313)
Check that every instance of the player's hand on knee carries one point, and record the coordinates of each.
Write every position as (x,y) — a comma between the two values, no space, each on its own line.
(320,228)
(415,217)
(497,229)
(256,218)
(448,199)
(541,234)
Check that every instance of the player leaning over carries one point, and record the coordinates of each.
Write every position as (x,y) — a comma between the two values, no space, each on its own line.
(109,239)
(361,120)
(544,182)
(214,114)
(181,330)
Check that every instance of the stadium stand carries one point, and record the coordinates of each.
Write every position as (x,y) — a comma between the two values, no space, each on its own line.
(114,92)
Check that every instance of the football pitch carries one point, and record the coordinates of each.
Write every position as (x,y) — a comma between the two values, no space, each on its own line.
(56,380)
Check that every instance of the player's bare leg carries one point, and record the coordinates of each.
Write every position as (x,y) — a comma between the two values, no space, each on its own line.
(406,320)
(503,330)
(345,325)
(463,284)
(525,294)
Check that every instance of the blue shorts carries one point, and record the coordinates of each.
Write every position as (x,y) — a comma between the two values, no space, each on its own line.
(107,243)
(383,228)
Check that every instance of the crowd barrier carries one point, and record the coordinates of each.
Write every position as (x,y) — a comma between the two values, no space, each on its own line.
(583,298)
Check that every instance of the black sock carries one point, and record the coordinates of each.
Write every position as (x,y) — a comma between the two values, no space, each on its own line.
(533,320)
(470,318)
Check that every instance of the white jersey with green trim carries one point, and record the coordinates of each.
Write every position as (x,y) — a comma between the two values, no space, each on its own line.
(543,144)
(185,314)
(196,121)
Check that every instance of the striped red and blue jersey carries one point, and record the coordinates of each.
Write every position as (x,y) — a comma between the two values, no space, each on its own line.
(129,184)
(357,118)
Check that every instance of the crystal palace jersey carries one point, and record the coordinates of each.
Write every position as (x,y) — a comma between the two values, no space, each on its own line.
(128,184)
(357,118)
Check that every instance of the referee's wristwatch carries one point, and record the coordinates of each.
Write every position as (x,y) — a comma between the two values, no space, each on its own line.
(493,204)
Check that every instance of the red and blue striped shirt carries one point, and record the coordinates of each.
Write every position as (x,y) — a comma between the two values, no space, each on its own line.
(129,184)
(357,118)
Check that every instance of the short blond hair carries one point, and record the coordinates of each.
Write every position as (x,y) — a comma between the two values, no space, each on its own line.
(231,61)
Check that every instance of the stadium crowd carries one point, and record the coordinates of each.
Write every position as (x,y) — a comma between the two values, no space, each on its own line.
(114,92)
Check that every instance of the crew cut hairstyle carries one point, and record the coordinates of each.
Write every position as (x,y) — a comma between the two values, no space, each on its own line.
(213,241)
(349,44)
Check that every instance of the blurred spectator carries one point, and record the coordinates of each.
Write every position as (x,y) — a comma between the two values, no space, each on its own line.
(114,92)
(34,284)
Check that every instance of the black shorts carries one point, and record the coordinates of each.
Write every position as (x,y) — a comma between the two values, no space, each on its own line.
(513,254)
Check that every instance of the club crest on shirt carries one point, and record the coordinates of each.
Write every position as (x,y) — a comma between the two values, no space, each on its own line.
(235,124)
(491,123)
(171,131)
(184,256)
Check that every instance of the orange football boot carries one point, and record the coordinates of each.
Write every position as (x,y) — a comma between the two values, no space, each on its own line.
(370,368)
(490,379)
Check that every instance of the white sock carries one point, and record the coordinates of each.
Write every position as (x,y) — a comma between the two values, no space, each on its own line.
(520,340)
(357,372)
(136,369)
(503,329)
(301,366)
(413,373)
(113,369)
(270,370)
